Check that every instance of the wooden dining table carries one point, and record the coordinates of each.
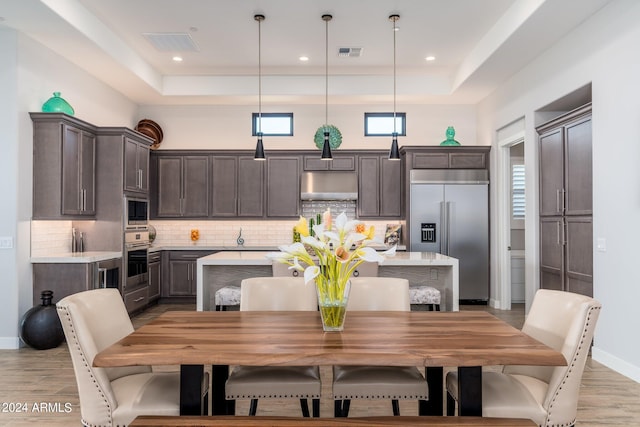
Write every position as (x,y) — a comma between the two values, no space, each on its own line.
(466,340)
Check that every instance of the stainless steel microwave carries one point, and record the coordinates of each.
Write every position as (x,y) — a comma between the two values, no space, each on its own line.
(136,212)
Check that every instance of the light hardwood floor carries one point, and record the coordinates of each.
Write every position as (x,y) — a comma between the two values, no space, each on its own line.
(38,387)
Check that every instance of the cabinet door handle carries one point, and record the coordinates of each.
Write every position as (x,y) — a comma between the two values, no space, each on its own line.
(562,200)
(138,299)
(83,200)
(558,200)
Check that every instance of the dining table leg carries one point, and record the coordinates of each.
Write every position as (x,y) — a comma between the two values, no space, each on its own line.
(470,391)
(191,389)
(219,404)
(433,406)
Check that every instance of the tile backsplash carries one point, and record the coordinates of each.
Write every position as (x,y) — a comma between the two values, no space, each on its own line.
(225,233)
(49,237)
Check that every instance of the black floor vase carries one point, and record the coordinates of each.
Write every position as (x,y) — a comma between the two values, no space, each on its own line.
(40,327)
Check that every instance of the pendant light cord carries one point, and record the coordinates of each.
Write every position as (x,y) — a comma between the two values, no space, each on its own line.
(394,18)
(260,73)
(326,18)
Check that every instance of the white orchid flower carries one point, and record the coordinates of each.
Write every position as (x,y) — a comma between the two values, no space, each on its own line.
(293,249)
(296,265)
(313,242)
(343,225)
(391,251)
(319,231)
(279,256)
(310,273)
(370,255)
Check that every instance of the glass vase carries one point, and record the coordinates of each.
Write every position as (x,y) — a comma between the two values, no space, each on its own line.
(332,301)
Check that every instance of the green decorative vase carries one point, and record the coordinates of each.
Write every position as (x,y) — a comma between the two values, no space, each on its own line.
(332,301)
(56,104)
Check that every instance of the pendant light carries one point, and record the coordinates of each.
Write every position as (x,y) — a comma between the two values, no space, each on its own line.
(394,153)
(259,155)
(326,146)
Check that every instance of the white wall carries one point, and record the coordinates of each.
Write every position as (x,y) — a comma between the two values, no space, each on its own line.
(604,51)
(218,127)
(29,74)
(9,188)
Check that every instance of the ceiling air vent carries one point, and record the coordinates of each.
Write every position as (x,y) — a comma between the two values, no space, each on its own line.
(172,42)
(351,52)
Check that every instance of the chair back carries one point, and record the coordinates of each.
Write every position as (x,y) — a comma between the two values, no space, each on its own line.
(566,322)
(379,293)
(278,293)
(92,321)
(366,269)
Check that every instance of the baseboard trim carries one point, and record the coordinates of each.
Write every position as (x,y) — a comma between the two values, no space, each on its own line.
(9,343)
(621,366)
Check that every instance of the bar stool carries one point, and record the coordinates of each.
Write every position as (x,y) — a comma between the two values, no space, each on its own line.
(227,296)
(425,295)
(230,295)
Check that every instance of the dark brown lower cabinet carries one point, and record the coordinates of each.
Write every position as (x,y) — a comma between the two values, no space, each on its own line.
(155,276)
(566,251)
(63,279)
(180,273)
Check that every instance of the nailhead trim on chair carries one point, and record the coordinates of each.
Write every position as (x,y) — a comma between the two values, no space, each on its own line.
(84,360)
(378,396)
(273,396)
(573,361)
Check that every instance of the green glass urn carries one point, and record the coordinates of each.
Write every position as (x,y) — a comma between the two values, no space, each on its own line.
(56,104)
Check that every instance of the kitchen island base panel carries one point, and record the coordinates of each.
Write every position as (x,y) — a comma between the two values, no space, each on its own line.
(420,268)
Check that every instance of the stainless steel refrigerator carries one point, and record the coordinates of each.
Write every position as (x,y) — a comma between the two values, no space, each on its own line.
(450,215)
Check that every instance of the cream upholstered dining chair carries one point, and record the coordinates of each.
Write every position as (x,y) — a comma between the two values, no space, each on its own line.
(262,382)
(377,382)
(93,320)
(548,395)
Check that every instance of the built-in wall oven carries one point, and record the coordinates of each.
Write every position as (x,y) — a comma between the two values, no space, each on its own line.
(136,248)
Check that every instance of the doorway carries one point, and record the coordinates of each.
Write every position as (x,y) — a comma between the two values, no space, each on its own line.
(510,283)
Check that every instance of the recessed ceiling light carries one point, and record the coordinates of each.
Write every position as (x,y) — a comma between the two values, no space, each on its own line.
(177,59)
(304,58)
(430,58)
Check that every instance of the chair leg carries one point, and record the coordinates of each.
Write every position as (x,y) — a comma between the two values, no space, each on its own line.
(315,404)
(345,407)
(396,407)
(451,405)
(304,405)
(253,408)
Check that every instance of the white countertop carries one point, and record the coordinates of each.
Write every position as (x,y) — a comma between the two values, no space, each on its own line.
(259,258)
(75,257)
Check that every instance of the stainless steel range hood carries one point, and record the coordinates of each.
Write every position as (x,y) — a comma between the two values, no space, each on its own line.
(329,185)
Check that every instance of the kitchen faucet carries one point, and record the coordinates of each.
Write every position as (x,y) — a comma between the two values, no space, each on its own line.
(240,240)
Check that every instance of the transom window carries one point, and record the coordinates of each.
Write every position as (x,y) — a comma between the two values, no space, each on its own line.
(273,124)
(381,124)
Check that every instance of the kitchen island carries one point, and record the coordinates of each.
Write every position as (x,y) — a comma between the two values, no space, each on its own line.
(420,268)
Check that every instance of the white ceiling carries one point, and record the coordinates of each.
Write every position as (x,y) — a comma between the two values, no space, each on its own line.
(477,44)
